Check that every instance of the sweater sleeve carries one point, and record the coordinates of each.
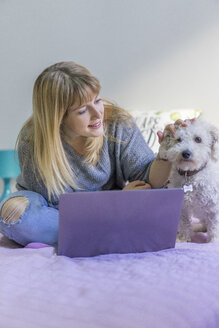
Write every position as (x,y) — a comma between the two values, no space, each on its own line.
(133,155)
(27,180)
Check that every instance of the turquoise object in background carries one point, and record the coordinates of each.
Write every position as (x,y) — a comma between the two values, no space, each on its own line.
(9,168)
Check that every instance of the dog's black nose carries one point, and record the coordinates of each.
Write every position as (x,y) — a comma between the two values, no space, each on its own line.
(186,154)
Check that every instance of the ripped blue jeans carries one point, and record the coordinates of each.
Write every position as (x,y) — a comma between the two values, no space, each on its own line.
(38,223)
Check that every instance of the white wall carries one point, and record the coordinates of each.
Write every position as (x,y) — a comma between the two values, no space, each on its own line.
(148,54)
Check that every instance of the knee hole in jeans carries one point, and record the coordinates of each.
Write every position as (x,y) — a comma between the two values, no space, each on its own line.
(14,208)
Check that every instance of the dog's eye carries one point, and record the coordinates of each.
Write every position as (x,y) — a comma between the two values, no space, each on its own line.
(198,139)
(179,140)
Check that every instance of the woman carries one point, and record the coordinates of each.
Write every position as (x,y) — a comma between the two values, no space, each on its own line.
(73,142)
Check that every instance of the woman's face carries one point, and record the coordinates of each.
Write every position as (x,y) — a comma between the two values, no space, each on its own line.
(85,121)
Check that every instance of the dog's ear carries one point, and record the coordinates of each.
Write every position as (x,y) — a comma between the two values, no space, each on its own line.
(215,143)
(165,145)
(167,139)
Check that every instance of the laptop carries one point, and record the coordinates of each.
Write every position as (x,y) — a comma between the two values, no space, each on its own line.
(107,222)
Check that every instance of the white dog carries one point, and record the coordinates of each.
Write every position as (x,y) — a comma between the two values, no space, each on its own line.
(194,152)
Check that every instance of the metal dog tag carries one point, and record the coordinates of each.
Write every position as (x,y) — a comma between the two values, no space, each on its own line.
(187,188)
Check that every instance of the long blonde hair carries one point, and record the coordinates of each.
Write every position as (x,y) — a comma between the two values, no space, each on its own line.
(55,90)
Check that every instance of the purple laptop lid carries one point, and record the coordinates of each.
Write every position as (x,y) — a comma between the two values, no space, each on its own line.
(104,222)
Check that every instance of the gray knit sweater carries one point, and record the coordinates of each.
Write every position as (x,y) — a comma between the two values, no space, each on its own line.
(119,162)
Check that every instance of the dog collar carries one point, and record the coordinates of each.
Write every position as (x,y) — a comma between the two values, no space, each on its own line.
(190,173)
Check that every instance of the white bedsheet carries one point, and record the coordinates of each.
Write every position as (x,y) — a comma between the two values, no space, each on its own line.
(176,288)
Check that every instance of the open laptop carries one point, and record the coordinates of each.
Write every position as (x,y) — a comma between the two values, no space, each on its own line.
(105,222)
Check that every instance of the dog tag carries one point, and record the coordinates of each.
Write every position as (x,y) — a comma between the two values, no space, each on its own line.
(187,188)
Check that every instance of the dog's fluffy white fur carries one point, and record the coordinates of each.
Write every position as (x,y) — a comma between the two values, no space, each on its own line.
(194,153)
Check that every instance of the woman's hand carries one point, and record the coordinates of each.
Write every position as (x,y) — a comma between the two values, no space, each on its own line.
(137,185)
(172,128)
(161,167)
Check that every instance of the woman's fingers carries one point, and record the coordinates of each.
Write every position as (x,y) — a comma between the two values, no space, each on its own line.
(172,127)
(180,122)
(191,120)
(160,136)
(146,186)
(137,185)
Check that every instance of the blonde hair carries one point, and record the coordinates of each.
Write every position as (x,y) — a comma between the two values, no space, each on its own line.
(56,89)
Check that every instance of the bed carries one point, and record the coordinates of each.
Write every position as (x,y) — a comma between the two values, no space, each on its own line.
(172,288)
(167,289)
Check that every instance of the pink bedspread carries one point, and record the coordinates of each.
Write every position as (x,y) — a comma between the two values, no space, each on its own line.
(175,288)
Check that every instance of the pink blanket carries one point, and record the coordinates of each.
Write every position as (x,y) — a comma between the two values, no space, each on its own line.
(168,289)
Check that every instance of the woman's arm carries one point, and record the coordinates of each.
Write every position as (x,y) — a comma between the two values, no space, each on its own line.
(159,172)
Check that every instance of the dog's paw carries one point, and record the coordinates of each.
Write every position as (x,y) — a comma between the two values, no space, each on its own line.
(199,237)
(182,238)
